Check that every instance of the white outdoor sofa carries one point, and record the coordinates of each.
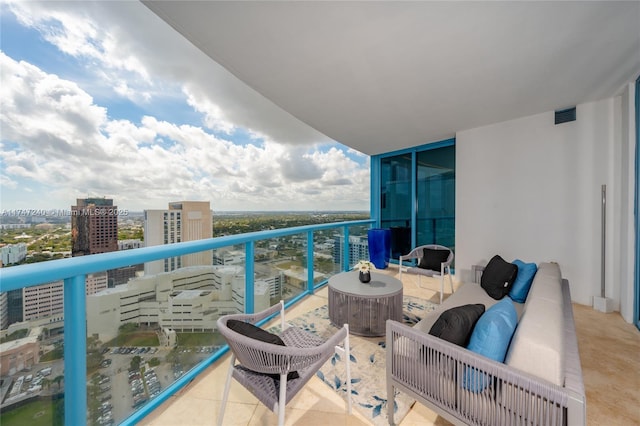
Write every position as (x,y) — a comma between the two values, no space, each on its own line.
(540,382)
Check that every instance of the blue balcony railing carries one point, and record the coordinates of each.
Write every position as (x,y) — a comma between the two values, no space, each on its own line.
(73,272)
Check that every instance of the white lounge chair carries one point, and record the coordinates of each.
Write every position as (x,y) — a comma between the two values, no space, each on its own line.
(444,267)
(263,367)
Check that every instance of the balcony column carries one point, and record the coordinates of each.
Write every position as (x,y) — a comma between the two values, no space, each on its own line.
(75,351)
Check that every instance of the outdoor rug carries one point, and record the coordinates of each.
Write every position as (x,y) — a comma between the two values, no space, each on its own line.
(368,368)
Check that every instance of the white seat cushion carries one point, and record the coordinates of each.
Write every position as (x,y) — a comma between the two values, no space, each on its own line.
(537,346)
(546,284)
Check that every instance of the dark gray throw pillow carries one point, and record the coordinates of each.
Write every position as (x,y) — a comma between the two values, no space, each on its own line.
(433,258)
(255,332)
(498,277)
(455,325)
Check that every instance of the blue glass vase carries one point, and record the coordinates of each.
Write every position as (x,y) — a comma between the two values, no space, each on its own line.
(379,247)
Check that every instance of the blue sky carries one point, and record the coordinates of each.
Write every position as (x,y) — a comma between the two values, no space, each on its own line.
(104,99)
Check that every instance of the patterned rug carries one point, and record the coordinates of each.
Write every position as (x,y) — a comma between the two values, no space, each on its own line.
(368,368)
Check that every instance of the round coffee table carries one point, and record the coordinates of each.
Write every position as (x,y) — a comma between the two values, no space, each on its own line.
(366,307)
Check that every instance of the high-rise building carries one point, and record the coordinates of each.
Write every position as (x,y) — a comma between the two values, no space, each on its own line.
(94,226)
(4,310)
(96,282)
(182,221)
(358,249)
(14,306)
(94,229)
(43,302)
(13,253)
(46,300)
(122,275)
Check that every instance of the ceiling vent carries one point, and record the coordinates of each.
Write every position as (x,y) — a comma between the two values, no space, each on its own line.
(565,115)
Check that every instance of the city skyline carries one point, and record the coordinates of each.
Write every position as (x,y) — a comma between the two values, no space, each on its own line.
(103,99)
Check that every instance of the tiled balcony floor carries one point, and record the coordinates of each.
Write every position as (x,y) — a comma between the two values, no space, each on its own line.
(609,350)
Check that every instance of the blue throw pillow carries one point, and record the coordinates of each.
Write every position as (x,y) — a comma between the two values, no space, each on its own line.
(491,337)
(522,284)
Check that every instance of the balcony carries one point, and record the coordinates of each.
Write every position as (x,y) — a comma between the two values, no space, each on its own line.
(297,249)
(194,397)
(609,375)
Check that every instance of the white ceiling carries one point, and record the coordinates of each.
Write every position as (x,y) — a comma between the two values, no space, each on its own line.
(381,76)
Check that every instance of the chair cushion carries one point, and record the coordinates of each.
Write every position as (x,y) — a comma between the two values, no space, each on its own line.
(433,258)
(498,277)
(491,337)
(456,324)
(255,332)
(522,283)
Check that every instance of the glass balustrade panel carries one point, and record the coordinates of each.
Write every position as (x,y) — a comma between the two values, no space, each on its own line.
(32,380)
(145,334)
(358,244)
(327,253)
(148,325)
(280,269)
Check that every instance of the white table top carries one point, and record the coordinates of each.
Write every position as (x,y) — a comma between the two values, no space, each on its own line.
(380,284)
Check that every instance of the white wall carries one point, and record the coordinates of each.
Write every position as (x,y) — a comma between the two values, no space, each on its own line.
(624,247)
(531,190)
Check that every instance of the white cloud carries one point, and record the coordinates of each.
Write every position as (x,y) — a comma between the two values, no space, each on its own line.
(214,117)
(82,30)
(60,145)
(46,112)
(126,42)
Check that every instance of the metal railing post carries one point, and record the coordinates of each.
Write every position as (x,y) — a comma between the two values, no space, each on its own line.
(75,351)
(345,250)
(249,299)
(310,272)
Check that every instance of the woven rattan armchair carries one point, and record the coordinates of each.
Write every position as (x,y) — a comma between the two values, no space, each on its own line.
(259,363)
(445,267)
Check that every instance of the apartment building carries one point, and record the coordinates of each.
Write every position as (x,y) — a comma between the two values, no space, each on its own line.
(43,301)
(189,299)
(358,249)
(94,226)
(13,253)
(181,221)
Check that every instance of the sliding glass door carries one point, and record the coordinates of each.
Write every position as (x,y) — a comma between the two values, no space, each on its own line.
(417,195)
(396,201)
(436,196)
